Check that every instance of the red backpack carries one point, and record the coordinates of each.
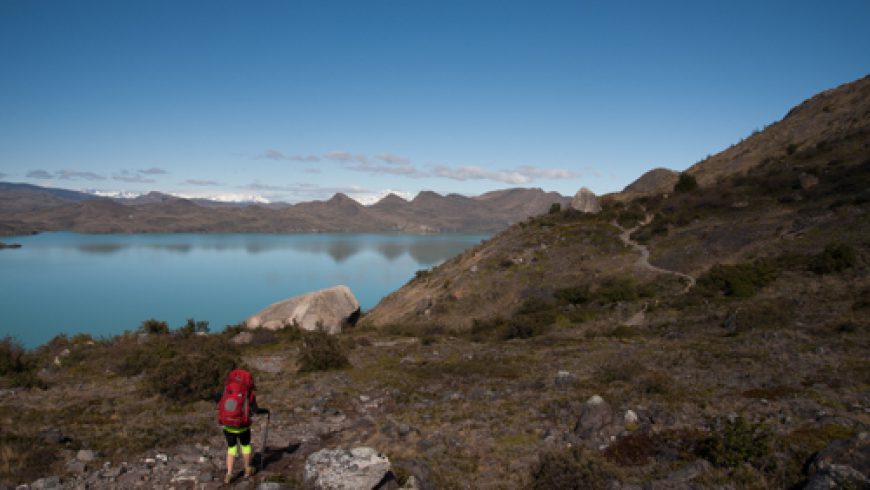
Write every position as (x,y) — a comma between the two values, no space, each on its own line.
(234,409)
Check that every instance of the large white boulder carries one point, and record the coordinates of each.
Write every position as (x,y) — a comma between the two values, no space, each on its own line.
(346,469)
(329,308)
(585,201)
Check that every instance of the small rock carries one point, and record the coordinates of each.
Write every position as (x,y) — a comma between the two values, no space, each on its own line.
(630,418)
(565,379)
(53,436)
(243,338)
(47,483)
(808,181)
(86,455)
(76,466)
(404,429)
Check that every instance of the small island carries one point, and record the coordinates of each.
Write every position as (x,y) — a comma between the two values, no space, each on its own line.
(9,245)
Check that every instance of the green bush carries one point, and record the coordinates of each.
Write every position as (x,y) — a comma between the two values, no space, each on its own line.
(16,366)
(321,351)
(132,358)
(574,295)
(686,183)
(555,208)
(738,280)
(836,257)
(733,443)
(571,468)
(195,371)
(192,327)
(153,326)
(618,289)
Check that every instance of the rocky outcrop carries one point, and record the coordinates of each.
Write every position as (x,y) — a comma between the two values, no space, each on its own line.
(585,201)
(346,469)
(843,464)
(328,309)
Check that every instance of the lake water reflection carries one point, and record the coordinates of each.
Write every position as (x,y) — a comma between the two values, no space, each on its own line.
(106,284)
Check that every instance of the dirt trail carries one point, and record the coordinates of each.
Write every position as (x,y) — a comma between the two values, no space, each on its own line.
(643,261)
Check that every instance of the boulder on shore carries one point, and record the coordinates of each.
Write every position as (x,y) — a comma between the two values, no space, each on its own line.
(328,309)
(586,202)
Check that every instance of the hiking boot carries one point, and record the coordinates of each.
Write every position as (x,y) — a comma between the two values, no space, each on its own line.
(249,471)
(228,478)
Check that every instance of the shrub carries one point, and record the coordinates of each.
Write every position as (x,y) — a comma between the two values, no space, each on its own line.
(618,289)
(153,326)
(555,208)
(23,459)
(134,359)
(321,351)
(573,295)
(194,372)
(15,365)
(571,468)
(836,257)
(739,280)
(686,183)
(735,442)
(192,327)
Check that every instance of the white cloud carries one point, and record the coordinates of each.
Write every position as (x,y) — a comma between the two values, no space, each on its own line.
(346,157)
(153,171)
(277,155)
(202,182)
(77,174)
(39,174)
(522,175)
(127,176)
(393,159)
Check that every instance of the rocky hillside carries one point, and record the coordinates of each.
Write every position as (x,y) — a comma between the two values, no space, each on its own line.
(26,209)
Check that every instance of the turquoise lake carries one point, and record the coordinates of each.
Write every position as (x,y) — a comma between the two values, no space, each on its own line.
(106,284)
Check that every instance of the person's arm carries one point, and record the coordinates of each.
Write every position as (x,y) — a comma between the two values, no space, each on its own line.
(255,409)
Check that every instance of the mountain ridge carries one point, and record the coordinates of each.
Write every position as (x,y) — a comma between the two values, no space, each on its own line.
(27,209)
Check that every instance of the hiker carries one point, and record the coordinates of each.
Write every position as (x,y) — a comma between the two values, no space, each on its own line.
(236,405)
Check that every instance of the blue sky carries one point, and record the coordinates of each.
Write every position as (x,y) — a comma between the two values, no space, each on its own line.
(297,100)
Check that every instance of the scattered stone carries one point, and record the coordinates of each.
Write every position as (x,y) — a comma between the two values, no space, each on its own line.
(585,201)
(271,485)
(328,309)
(808,181)
(343,469)
(595,417)
(53,436)
(564,379)
(87,455)
(630,418)
(76,466)
(47,483)
(842,464)
(242,338)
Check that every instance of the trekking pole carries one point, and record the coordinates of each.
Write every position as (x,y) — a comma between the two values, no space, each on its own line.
(265,438)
